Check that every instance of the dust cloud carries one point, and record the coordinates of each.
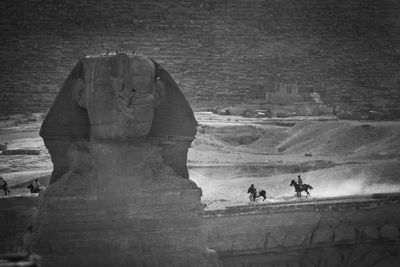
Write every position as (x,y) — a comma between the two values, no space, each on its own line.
(228,188)
(348,181)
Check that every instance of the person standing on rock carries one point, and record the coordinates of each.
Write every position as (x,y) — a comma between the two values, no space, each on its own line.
(4,186)
(252,190)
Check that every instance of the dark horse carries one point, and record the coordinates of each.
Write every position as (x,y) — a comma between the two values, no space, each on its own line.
(299,188)
(4,187)
(33,189)
(260,193)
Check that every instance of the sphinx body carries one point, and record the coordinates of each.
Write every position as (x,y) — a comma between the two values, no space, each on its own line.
(118,135)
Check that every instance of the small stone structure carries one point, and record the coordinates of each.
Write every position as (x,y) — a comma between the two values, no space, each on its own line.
(118,135)
(284,100)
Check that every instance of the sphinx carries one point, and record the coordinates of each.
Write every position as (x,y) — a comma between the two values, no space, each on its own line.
(118,134)
(126,98)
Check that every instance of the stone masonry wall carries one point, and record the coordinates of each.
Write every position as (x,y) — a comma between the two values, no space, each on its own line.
(340,232)
(355,231)
(220,52)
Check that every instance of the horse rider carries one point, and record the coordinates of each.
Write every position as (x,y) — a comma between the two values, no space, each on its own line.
(36,185)
(252,190)
(300,181)
(4,186)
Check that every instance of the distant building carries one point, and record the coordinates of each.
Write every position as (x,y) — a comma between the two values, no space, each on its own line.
(285,100)
(283,94)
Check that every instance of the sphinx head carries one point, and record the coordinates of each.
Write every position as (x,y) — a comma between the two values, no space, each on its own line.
(120,94)
(118,98)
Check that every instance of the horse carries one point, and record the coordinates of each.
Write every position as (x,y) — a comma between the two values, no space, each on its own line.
(299,188)
(4,187)
(260,193)
(7,192)
(33,189)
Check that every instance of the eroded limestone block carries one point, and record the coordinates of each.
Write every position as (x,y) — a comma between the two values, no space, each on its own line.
(329,257)
(118,135)
(389,231)
(297,239)
(345,233)
(369,232)
(323,234)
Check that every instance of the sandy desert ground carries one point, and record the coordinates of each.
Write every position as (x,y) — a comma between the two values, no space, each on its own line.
(338,158)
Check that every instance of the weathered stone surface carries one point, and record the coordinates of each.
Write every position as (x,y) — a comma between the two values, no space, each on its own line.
(335,235)
(275,238)
(369,232)
(390,231)
(345,233)
(232,233)
(132,97)
(119,194)
(296,238)
(329,257)
(15,216)
(323,234)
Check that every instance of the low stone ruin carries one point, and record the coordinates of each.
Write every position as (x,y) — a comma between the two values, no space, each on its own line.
(5,151)
(20,152)
(118,134)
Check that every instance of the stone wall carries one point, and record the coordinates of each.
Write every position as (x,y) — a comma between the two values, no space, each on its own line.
(336,232)
(220,52)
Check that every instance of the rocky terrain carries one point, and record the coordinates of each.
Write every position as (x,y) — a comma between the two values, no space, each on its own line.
(338,158)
